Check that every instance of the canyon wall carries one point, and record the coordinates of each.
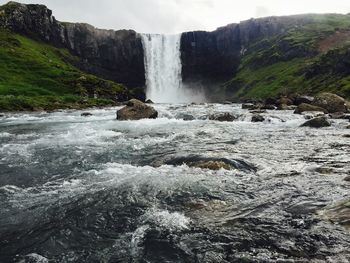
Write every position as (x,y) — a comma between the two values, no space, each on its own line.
(114,55)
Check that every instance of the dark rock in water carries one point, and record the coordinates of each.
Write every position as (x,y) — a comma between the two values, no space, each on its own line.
(347,179)
(331,102)
(268,107)
(339,214)
(185,117)
(222,117)
(136,110)
(86,114)
(258,118)
(308,107)
(284,101)
(212,163)
(250,106)
(318,122)
(324,170)
(2,115)
(347,127)
(339,116)
(149,102)
(303,99)
(346,135)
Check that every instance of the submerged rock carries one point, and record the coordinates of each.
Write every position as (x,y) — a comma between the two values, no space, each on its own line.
(258,118)
(212,163)
(331,102)
(222,117)
(318,122)
(250,106)
(86,114)
(268,107)
(185,117)
(339,214)
(136,110)
(303,107)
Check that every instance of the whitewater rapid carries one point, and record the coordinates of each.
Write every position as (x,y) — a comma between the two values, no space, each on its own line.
(163,69)
(77,189)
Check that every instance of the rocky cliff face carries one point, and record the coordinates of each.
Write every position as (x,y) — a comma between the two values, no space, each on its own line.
(215,56)
(114,55)
(210,56)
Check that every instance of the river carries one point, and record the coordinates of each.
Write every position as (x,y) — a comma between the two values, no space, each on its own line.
(94,189)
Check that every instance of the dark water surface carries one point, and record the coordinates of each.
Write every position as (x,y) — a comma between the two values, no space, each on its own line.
(75,189)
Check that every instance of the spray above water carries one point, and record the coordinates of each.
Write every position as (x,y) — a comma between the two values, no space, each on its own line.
(163,70)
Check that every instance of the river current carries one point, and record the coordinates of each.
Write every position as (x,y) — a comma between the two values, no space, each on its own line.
(94,189)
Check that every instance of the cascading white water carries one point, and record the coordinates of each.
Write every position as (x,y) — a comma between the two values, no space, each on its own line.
(163,70)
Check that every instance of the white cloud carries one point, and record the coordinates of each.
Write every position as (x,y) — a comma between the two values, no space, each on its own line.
(174,16)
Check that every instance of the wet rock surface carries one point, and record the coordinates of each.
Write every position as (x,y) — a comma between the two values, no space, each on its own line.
(86,114)
(318,122)
(257,118)
(222,117)
(136,110)
(86,190)
(331,102)
(307,107)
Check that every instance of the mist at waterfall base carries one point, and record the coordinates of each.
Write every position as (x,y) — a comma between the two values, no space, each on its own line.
(163,71)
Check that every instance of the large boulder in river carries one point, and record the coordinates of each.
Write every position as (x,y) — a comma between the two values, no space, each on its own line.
(331,102)
(136,110)
(257,118)
(318,122)
(307,107)
(222,117)
(303,99)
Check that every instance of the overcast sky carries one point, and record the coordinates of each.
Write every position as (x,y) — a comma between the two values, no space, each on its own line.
(174,16)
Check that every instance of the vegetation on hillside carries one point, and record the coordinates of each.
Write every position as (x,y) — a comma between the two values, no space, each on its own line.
(35,75)
(307,60)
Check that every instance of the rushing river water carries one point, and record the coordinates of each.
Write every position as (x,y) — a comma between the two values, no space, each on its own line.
(77,189)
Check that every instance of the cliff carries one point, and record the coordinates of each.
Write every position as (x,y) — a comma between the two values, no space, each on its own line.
(114,55)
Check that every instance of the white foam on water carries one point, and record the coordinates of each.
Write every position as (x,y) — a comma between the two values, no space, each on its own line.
(172,221)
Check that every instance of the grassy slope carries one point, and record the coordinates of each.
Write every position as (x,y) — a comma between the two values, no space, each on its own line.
(34,75)
(257,78)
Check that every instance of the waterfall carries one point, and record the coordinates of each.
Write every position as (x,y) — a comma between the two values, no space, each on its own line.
(163,69)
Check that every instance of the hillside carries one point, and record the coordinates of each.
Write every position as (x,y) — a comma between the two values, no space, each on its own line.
(35,75)
(306,59)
